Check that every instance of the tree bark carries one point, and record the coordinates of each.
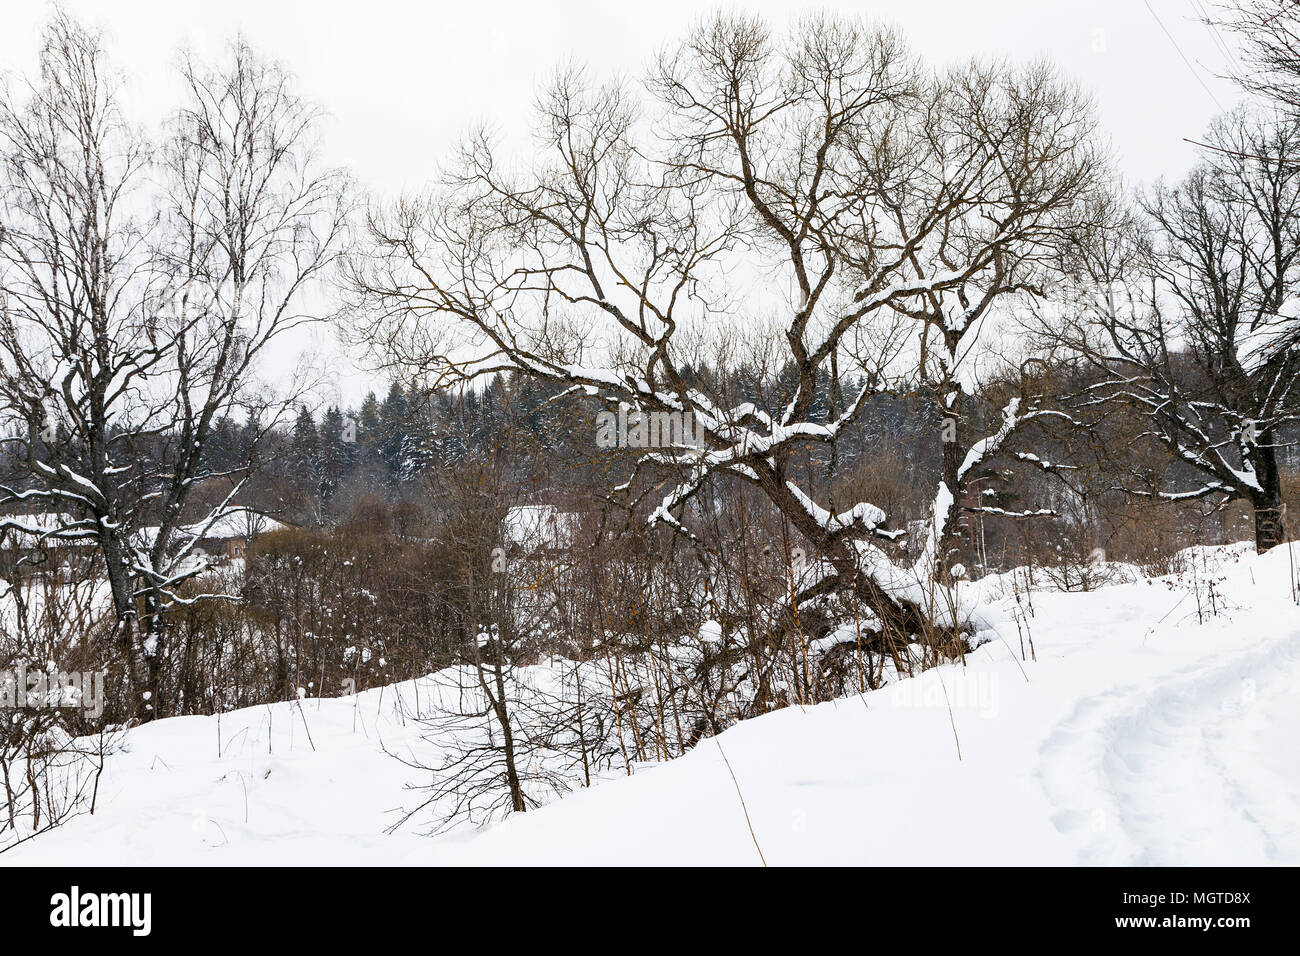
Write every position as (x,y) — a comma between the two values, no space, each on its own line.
(1269,531)
(949,543)
(140,667)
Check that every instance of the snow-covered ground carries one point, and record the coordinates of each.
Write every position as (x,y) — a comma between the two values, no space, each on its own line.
(1146,732)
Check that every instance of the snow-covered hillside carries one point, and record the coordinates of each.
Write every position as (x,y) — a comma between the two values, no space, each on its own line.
(1157,726)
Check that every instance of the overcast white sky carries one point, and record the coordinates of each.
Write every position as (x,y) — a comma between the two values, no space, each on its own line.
(402,79)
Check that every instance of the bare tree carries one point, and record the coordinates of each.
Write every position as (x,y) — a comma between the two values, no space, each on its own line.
(1189,318)
(1014,153)
(1270,35)
(132,319)
(812,188)
(495,730)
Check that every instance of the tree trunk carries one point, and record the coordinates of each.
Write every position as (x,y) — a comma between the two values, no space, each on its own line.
(130,639)
(1269,531)
(498,705)
(948,547)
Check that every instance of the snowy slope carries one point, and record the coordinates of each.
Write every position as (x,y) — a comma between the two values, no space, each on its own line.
(1139,736)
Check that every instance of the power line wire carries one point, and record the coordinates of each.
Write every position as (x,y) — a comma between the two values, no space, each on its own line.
(1193,69)
(1228,55)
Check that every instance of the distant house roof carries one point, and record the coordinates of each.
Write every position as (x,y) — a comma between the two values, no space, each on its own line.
(29,531)
(536,527)
(236,523)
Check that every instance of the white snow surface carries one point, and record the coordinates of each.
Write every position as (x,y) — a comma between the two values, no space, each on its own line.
(540,526)
(1144,733)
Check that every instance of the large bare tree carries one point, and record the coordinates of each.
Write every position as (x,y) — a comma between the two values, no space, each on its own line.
(1190,318)
(814,192)
(139,289)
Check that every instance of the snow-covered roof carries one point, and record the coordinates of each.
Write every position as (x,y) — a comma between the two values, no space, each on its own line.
(532,527)
(29,531)
(237,523)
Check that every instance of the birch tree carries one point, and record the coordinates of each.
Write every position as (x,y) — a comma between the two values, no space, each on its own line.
(139,288)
